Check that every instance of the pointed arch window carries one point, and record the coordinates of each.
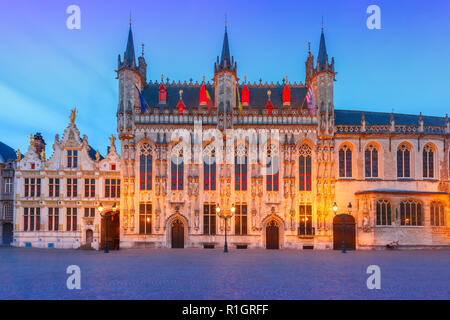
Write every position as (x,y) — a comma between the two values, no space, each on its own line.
(437,216)
(410,213)
(428,162)
(371,161)
(177,168)
(209,168)
(345,161)
(272,168)
(403,161)
(384,213)
(240,168)
(145,167)
(305,170)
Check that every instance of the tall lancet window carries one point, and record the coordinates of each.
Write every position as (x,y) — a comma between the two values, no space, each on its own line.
(209,168)
(371,161)
(345,161)
(403,161)
(145,167)
(272,168)
(305,168)
(428,162)
(240,168)
(177,168)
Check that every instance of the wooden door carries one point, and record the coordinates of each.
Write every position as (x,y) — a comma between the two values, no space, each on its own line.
(349,232)
(272,236)
(113,232)
(89,237)
(177,234)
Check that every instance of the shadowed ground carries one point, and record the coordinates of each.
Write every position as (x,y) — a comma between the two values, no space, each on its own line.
(28,273)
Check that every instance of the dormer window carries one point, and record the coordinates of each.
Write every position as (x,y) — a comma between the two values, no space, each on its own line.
(72,158)
(162,94)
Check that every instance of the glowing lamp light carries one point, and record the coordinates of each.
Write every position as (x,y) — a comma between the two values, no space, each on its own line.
(148,219)
(218,210)
(100,208)
(114,207)
(233,209)
(335,208)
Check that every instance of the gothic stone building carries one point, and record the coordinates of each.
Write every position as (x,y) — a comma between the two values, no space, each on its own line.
(7,164)
(189,148)
(57,198)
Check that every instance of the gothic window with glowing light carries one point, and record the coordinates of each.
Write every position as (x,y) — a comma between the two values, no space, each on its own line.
(411,213)
(145,167)
(345,161)
(145,218)
(272,168)
(305,215)
(304,162)
(177,168)
(371,162)
(437,214)
(209,168)
(403,161)
(240,219)
(384,213)
(240,168)
(428,162)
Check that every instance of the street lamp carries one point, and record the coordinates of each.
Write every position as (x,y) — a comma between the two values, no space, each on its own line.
(225,216)
(107,215)
(335,209)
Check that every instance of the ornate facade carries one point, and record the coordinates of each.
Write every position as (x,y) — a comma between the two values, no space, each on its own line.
(188,148)
(7,166)
(57,198)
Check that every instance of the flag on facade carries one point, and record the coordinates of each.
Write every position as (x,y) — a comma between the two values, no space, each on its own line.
(239,101)
(310,101)
(209,100)
(142,100)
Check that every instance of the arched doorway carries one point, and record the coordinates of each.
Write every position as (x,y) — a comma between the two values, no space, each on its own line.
(177,234)
(272,235)
(89,237)
(349,232)
(113,232)
(7,233)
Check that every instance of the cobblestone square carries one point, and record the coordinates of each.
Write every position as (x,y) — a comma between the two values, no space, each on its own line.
(28,273)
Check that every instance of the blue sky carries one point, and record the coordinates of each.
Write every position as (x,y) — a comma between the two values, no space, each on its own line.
(47,69)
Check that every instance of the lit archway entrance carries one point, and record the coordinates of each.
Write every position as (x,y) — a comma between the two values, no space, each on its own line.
(177,234)
(349,232)
(113,232)
(7,233)
(272,235)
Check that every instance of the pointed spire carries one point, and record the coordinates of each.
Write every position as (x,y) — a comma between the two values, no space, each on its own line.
(322,56)
(129,53)
(225,50)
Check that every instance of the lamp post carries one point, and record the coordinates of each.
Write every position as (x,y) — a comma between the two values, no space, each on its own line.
(107,215)
(225,216)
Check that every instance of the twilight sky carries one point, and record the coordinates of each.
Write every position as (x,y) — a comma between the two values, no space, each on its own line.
(47,69)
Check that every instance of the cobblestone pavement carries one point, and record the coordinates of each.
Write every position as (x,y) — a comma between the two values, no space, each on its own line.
(28,273)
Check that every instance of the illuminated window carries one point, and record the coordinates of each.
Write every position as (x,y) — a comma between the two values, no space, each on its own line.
(240,168)
(145,218)
(305,215)
(272,168)
(209,219)
(371,162)
(403,161)
(437,214)
(305,168)
(177,168)
(345,162)
(240,219)
(384,213)
(411,213)
(145,167)
(428,162)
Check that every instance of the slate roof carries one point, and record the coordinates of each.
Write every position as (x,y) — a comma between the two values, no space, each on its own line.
(322,56)
(191,96)
(6,153)
(353,118)
(92,153)
(129,53)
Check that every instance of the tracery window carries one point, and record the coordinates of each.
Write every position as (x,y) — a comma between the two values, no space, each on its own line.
(384,213)
(437,214)
(145,218)
(209,168)
(240,168)
(345,161)
(145,167)
(371,162)
(428,162)
(305,215)
(305,167)
(272,168)
(411,213)
(240,219)
(209,218)
(403,161)
(177,168)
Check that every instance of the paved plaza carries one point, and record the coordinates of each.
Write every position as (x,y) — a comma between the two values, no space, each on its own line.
(28,273)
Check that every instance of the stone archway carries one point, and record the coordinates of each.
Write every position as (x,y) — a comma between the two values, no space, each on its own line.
(348,232)
(177,233)
(272,235)
(89,237)
(177,229)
